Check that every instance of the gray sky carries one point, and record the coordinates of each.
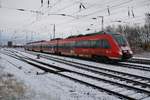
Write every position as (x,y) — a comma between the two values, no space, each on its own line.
(16,24)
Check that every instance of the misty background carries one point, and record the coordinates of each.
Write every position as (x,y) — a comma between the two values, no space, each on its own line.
(24,21)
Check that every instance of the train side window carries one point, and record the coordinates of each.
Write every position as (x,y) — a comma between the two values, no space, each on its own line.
(68,45)
(98,43)
(78,44)
(52,46)
(62,46)
(93,43)
(72,45)
(59,46)
(83,44)
(105,44)
(65,45)
(87,44)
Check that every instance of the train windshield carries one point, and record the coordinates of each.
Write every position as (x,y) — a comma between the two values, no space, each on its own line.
(120,39)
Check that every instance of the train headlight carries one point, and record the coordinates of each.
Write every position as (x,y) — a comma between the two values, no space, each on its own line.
(130,52)
(120,53)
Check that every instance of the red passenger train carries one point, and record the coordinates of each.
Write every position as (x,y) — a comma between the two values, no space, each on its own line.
(100,45)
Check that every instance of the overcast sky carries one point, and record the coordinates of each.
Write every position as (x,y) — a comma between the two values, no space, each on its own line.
(19,26)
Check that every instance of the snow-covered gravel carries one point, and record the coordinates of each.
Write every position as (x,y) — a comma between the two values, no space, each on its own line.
(78,70)
(55,77)
(108,86)
(144,65)
(49,86)
(143,55)
(116,68)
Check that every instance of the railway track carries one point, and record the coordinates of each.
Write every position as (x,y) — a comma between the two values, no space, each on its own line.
(138,84)
(140,61)
(139,67)
(97,68)
(133,66)
(126,65)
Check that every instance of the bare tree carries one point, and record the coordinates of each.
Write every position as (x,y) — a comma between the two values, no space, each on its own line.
(147,30)
(138,36)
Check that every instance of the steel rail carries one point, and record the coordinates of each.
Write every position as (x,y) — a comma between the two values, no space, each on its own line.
(100,79)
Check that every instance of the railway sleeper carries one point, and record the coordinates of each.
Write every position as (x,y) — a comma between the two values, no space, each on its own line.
(48,70)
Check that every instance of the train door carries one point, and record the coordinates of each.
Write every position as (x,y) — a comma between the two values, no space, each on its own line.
(55,47)
(40,47)
(105,47)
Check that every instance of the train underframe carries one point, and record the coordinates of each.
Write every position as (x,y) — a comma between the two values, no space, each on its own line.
(106,59)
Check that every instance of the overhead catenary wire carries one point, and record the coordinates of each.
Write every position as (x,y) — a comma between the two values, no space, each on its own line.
(51,6)
(67,6)
(88,7)
(30,10)
(122,3)
(108,10)
(42,3)
(105,9)
(87,15)
(128,12)
(68,23)
(83,17)
(81,6)
(48,3)
(0,4)
(132,12)
(116,7)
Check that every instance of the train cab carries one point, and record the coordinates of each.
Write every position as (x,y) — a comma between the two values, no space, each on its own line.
(122,43)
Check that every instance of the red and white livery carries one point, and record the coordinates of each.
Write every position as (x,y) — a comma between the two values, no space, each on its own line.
(100,45)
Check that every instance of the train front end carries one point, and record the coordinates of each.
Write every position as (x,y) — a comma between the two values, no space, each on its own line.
(124,48)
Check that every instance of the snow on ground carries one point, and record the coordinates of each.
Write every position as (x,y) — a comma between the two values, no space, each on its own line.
(49,86)
(144,65)
(143,55)
(16,90)
(116,68)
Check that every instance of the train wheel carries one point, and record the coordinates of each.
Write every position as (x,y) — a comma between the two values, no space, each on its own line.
(101,59)
(41,50)
(59,53)
(105,59)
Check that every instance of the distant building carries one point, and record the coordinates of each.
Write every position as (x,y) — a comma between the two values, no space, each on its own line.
(10,44)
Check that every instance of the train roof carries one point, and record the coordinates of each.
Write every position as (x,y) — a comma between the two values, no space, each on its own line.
(56,39)
(76,36)
(91,34)
(37,41)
